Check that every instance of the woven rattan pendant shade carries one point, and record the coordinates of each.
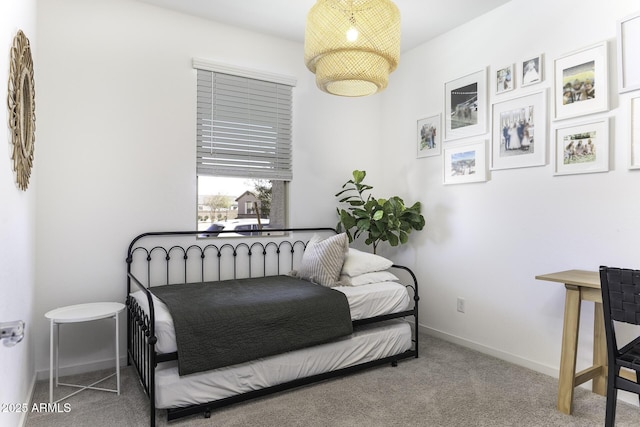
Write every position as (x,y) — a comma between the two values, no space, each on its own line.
(352,45)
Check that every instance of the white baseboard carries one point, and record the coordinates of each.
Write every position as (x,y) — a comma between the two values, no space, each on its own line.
(28,398)
(516,360)
(503,355)
(84,368)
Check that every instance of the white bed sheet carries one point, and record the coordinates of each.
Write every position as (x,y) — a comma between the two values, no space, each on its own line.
(374,299)
(370,342)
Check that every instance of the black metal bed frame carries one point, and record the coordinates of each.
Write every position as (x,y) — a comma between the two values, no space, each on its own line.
(141,338)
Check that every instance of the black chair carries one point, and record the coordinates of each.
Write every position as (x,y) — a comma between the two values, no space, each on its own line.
(621,303)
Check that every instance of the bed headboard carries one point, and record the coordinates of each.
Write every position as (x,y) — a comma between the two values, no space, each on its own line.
(161,258)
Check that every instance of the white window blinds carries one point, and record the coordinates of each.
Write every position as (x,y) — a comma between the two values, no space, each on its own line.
(243,127)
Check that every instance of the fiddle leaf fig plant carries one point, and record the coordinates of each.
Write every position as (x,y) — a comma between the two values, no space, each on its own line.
(381,220)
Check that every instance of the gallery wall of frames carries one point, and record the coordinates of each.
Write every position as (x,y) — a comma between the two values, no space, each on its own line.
(569,119)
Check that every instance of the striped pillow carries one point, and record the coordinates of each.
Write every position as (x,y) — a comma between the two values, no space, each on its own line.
(322,259)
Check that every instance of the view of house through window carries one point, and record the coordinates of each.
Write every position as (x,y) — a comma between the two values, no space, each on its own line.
(243,205)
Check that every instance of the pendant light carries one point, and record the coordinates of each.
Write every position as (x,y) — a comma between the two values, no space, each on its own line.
(352,45)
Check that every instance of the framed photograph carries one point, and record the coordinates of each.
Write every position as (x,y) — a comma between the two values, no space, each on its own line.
(581,82)
(465,106)
(634,146)
(429,136)
(628,56)
(465,163)
(531,71)
(519,130)
(504,79)
(582,148)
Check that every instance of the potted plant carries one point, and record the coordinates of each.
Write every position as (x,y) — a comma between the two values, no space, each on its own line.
(381,220)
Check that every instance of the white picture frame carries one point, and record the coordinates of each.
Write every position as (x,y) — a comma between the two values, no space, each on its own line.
(465,163)
(628,40)
(581,82)
(504,79)
(429,136)
(582,147)
(466,106)
(519,132)
(531,71)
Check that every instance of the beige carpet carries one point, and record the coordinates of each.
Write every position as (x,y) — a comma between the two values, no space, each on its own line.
(447,386)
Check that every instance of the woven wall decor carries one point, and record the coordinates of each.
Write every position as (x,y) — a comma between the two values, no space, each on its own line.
(22,108)
(352,45)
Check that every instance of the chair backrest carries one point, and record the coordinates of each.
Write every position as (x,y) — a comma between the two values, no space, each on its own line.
(620,294)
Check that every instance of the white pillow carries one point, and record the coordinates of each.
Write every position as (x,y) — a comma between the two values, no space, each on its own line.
(367,278)
(358,262)
(322,259)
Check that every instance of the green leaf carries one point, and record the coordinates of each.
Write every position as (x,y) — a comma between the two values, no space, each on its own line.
(347,220)
(371,205)
(380,228)
(363,224)
(358,176)
(363,187)
(360,213)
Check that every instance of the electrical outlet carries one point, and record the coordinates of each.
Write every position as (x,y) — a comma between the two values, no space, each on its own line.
(460,305)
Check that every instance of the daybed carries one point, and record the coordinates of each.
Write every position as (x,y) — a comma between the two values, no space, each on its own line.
(166,269)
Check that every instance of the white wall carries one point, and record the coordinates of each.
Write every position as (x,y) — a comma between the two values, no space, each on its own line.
(116,121)
(485,242)
(17,227)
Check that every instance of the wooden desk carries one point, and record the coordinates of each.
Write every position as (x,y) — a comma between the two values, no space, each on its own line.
(580,285)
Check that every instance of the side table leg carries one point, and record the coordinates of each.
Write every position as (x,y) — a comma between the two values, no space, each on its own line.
(569,349)
(599,384)
(51,361)
(57,333)
(117,355)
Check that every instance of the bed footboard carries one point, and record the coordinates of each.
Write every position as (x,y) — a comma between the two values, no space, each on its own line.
(141,340)
(184,261)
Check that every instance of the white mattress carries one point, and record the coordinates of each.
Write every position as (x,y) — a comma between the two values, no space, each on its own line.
(374,299)
(370,342)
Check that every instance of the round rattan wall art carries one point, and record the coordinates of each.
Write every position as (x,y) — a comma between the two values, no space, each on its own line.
(22,109)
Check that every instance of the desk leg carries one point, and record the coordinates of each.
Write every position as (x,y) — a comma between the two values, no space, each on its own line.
(599,384)
(569,349)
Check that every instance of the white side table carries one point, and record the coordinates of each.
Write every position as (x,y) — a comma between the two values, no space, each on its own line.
(75,314)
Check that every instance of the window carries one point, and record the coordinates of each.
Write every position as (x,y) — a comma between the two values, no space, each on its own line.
(243,152)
